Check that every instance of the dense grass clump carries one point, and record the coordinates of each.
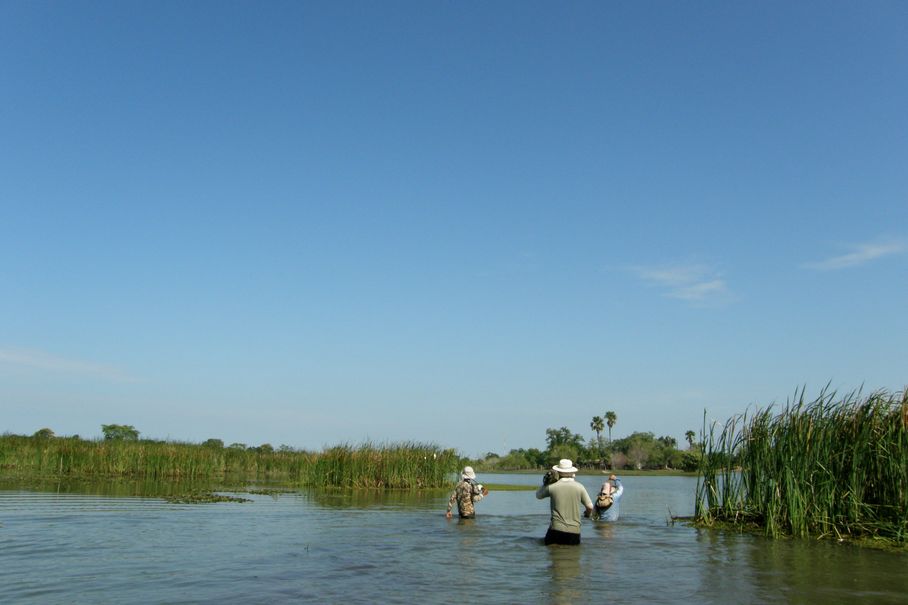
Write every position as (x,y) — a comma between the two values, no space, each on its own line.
(408,465)
(827,468)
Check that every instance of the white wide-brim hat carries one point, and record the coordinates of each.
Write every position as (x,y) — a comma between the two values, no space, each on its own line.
(468,473)
(564,466)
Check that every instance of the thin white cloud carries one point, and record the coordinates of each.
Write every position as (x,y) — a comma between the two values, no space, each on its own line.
(673,276)
(700,291)
(860,255)
(40,360)
(694,283)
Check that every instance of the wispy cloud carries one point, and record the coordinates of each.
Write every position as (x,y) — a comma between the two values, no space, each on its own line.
(860,255)
(694,283)
(40,360)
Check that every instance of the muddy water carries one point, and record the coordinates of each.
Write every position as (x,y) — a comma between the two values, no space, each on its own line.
(78,545)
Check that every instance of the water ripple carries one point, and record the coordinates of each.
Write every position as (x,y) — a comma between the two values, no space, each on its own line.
(74,548)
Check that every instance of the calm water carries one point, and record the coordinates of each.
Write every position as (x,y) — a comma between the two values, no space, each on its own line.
(398,548)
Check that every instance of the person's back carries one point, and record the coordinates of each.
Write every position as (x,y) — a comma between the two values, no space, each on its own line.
(611,513)
(565,498)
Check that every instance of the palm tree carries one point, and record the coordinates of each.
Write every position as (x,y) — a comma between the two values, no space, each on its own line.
(610,419)
(689,435)
(597,425)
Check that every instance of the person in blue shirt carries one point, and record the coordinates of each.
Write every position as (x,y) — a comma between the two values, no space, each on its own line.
(614,490)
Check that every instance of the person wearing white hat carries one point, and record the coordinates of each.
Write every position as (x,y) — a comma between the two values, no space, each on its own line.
(565,497)
(466,493)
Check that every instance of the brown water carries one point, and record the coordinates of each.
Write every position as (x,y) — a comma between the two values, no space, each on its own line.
(84,546)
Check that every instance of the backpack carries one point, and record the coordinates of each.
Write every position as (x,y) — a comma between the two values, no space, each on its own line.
(604,501)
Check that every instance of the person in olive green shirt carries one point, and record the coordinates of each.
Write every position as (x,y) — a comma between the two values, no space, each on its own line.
(565,497)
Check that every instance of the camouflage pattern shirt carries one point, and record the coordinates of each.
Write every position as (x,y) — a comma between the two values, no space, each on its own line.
(466,493)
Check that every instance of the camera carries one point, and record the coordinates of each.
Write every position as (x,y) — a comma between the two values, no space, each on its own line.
(549,477)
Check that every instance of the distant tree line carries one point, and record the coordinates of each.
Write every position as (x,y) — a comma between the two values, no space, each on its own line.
(639,450)
(127,432)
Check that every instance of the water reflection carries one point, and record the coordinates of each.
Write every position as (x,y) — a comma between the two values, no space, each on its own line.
(120,487)
(155,488)
(347,498)
(763,570)
(565,574)
(721,566)
(805,571)
(604,530)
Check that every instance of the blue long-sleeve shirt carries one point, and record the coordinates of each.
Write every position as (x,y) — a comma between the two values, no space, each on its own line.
(612,513)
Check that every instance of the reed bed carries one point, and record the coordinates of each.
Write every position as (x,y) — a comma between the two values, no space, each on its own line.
(831,467)
(407,465)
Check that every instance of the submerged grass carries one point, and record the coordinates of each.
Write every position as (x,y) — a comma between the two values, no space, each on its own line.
(828,468)
(204,498)
(404,465)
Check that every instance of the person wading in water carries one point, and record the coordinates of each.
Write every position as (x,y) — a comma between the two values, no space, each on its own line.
(606,507)
(565,497)
(466,493)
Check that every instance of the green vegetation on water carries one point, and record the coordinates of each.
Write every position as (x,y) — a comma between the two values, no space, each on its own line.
(830,468)
(203,498)
(392,466)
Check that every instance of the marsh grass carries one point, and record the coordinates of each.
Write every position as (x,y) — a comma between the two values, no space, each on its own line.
(831,467)
(405,465)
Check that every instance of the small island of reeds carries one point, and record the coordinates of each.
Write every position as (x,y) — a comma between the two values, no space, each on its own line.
(834,467)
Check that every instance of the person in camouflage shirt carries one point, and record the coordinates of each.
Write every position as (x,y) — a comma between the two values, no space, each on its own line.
(466,493)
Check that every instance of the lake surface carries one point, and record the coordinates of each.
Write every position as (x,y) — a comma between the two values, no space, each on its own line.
(315,547)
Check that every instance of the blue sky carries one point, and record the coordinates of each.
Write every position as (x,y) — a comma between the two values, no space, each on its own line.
(449,222)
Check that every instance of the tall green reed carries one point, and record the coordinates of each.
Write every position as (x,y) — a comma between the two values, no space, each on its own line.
(831,467)
(403,465)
